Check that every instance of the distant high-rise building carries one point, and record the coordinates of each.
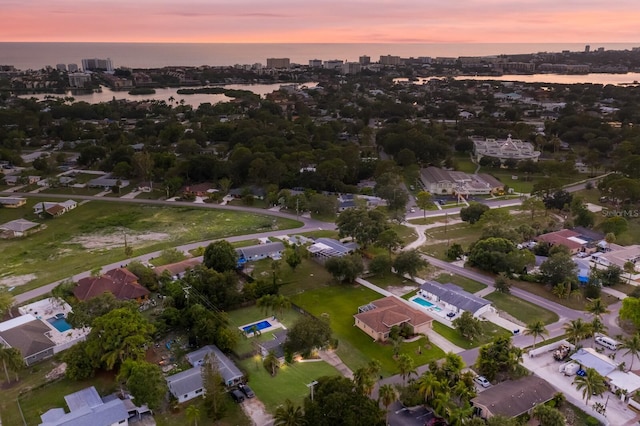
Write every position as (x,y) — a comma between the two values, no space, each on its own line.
(61,67)
(333,64)
(351,68)
(390,60)
(72,67)
(364,60)
(587,48)
(278,63)
(97,64)
(315,63)
(79,79)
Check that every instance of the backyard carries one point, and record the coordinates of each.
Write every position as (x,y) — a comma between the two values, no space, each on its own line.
(94,234)
(339,303)
(290,381)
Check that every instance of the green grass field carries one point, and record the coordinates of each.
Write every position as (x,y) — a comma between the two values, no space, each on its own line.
(489,332)
(466,284)
(61,250)
(307,276)
(339,303)
(290,382)
(520,309)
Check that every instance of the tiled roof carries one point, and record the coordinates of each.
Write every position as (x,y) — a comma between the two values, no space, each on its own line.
(391,311)
(120,282)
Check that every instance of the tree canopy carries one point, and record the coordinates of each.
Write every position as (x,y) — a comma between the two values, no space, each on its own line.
(220,256)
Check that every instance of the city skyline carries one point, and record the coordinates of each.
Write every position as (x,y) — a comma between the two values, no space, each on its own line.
(324,21)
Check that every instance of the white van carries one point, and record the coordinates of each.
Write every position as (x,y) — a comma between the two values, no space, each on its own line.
(607,342)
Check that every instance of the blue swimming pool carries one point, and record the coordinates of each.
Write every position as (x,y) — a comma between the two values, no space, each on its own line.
(60,324)
(259,325)
(423,302)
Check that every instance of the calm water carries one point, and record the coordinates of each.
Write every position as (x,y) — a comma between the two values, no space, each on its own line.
(597,78)
(163,94)
(151,55)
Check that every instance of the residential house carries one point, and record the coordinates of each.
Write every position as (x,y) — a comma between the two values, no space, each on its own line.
(54,209)
(30,336)
(177,270)
(275,345)
(256,191)
(120,282)
(17,228)
(346,201)
(187,384)
(106,182)
(567,238)
(260,251)
(33,179)
(618,256)
(326,248)
(378,317)
(513,398)
(228,370)
(11,179)
(453,298)
(12,202)
(87,408)
(439,181)
(199,190)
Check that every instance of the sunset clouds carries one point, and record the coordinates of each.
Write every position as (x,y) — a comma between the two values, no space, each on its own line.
(322,21)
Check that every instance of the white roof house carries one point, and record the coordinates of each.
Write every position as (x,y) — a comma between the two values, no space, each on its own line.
(455,297)
(187,384)
(86,408)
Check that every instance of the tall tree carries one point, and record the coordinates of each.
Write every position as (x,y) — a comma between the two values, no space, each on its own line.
(632,346)
(406,367)
(6,300)
(468,326)
(532,205)
(289,415)
(536,329)
(389,239)
(345,269)
(306,334)
(577,330)
(424,201)
(215,396)
(145,381)
(220,256)
(363,225)
(409,262)
(193,414)
(388,395)
(597,308)
(548,415)
(592,383)
(596,326)
(11,360)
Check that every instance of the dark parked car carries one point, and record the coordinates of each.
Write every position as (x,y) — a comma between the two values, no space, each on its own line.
(237,396)
(248,392)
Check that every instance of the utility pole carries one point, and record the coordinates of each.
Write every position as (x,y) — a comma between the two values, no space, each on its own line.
(297,207)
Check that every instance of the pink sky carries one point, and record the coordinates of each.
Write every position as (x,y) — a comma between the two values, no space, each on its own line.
(322,21)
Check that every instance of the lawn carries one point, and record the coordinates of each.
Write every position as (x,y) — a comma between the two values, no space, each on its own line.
(520,309)
(406,234)
(52,394)
(234,416)
(290,382)
(577,303)
(339,303)
(390,280)
(489,332)
(466,284)
(434,219)
(307,276)
(93,234)
(441,238)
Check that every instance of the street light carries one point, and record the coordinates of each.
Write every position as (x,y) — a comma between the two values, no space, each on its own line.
(311,386)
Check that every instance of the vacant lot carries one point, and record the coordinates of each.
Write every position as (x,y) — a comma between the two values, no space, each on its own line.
(520,309)
(290,382)
(339,303)
(489,332)
(466,284)
(94,234)
(307,276)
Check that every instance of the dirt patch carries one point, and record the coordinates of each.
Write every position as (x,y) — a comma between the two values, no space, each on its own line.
(57,372)
(402,290)
(256,411)
(18,280)
(116,240)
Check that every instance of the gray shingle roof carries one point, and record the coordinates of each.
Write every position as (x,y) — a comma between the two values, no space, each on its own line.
(186,381)
(454,295)
(260,249)
(228,369)
(86,409)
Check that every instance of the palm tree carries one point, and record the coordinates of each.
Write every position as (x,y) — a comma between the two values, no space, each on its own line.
(597,308)
(193,414)
(576,330)
(388,395)
(592,383)
(597,327)
(632,345)
(374,367)
(289,415)
(11,360)
(280,303)
(452,366)
(363,380)
(266,302)
(536,329)
(630,269)
(406,367)
(429,386)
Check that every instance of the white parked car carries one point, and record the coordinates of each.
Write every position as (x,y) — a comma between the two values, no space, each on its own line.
(482,381)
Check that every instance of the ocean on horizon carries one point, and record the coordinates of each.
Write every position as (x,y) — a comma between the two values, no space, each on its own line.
(156,55)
